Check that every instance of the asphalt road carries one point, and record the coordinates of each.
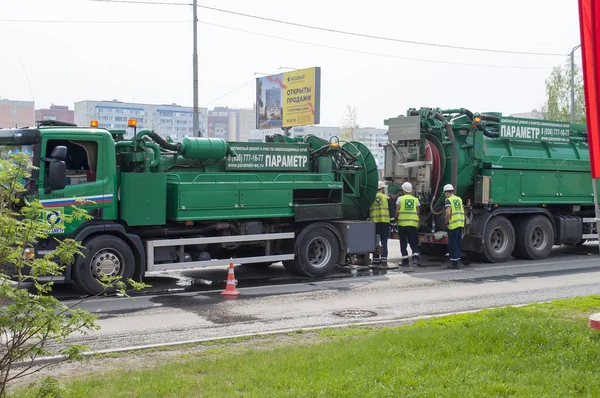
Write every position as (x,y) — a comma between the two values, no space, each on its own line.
(271,300)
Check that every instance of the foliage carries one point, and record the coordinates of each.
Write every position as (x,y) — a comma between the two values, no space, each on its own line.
(30,317)
(558,94)
(349,124)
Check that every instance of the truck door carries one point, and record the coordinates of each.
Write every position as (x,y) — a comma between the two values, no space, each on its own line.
(84,179)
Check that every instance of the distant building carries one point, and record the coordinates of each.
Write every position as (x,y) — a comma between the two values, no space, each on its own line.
(246,122)
(56,112)
(172,120)
(256,135)
(534,114)
(16,113)
(218,123)
(231,124)
(373,138)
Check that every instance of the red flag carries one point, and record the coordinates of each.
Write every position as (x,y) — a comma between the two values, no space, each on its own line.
(589,26)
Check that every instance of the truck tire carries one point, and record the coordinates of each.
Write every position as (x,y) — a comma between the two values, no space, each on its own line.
(535,238)
(498,240)
(318,252)
(290,266)
(516,253)
(102,254)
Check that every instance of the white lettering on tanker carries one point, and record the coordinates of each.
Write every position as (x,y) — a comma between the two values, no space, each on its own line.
(534,130)
(285,161)
(268,156)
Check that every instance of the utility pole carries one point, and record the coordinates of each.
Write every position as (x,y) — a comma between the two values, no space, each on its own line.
(573,82)
(195,68)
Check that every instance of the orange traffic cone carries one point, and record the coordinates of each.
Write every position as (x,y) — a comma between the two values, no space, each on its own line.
(230,287)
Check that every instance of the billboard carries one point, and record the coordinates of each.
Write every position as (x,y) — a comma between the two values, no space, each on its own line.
(288,99)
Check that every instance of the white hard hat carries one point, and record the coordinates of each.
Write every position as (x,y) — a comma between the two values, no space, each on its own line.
(448,187)
(407,187)
(381,184)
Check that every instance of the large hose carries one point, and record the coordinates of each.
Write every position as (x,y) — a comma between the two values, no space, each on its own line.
(164,143)
(446,124)
(485,132)
(450,132)
(159,140)
(491,118)
(147,144)
(435,154)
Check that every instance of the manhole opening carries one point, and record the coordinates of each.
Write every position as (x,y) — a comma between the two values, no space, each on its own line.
(355,313)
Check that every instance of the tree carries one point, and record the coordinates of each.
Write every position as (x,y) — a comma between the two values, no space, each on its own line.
(558,94)
(30,317)
(349,124)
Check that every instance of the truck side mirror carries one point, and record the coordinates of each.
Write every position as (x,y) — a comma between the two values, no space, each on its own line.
(59,153)
(57,174)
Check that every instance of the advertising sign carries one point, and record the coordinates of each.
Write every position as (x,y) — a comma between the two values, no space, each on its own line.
(267,156)
(534,130)
(288,99)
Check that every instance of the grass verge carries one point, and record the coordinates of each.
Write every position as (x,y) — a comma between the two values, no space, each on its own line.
(538,350)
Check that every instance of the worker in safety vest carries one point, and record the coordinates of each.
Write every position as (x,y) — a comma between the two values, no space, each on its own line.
(379,213)
(407,214)
(455,222)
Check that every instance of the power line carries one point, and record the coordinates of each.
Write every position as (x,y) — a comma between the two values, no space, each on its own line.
(87,22)
(301,42)
(342,32)
(229,92)
(371,53)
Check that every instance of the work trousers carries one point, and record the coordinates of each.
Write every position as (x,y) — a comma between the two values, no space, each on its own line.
(408,236)
(454,240)
(383,230)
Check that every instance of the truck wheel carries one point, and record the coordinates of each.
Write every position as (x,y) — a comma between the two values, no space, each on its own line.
(102,255)
(318,252)
(498,240)
(535,238)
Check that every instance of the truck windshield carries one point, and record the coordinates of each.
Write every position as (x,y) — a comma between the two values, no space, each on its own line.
(7,150)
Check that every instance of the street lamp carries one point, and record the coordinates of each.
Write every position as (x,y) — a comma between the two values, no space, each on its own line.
(573,82)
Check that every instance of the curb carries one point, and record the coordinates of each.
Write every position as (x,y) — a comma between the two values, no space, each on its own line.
(595,321)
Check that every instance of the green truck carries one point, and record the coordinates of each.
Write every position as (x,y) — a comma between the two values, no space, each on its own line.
(160,205)
(526,183)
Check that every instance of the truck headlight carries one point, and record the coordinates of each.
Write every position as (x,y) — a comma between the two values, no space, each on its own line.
(29,253)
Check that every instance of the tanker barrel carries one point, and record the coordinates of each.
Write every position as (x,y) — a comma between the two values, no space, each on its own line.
(197,148)
(203,148)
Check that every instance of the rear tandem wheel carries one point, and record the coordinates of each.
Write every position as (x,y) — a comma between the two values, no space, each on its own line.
(318,252)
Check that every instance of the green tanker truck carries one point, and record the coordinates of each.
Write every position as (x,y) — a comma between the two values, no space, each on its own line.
(526,183)
(161,205)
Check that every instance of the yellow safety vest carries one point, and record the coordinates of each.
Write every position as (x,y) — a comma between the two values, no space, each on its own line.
(407,213)
(380,212)
(457,215)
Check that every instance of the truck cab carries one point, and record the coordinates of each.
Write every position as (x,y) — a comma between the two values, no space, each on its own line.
(89,174)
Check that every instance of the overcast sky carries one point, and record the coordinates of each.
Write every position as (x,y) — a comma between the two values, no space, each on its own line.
(152,62)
